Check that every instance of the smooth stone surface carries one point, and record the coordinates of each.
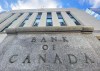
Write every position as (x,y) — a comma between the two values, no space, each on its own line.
(50,29)
(50,52)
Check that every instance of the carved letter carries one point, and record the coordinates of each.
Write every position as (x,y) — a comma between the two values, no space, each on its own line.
(72,59)
(33,39)
(64,39)
(42,58)
(53,47)
(45,47)
(57,58)
(88,59)
(27,58)
(53,39)
(43,40)
(11,60)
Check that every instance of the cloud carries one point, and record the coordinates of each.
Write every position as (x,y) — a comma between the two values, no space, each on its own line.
(34,4)
(94,3)
(1,9)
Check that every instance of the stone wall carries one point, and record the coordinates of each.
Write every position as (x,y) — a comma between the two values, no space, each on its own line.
(50,51)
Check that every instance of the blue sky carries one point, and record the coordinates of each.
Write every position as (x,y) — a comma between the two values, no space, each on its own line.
(6,5)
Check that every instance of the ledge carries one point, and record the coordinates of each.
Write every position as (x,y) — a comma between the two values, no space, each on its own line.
(50,29)
(96,33)
(98,37)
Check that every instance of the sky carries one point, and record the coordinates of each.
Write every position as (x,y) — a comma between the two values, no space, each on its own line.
(7,5)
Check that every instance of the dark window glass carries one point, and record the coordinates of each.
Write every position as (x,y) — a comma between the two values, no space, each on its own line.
(49,19)
(37,21)
(61,20)
(72,17)
(39,16)
(59,15)
(28,16)
(49,15)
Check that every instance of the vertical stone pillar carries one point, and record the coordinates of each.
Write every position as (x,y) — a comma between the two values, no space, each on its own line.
(19,21)
(4,16)
(31,20)
(67,19)
(55,19)
(43,20)
(8,21)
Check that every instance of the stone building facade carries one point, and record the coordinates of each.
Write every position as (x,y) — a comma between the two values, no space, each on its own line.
(45,18)
(49,40)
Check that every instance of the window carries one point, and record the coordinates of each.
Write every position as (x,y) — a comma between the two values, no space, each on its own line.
(28,16)
(49,19)
(75,21)
(39,15)
(37,21)
(26,19)
(61,20)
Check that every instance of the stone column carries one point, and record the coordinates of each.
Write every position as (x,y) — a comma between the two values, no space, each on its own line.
(43,20)
(8,21)
(31,20)
(67,19)
(55,19)
(4,16)
(19,21)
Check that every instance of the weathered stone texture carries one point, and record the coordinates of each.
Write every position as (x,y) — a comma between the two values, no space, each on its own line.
(50,52)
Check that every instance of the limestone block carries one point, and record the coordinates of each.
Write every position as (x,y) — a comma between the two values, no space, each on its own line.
(56,51)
